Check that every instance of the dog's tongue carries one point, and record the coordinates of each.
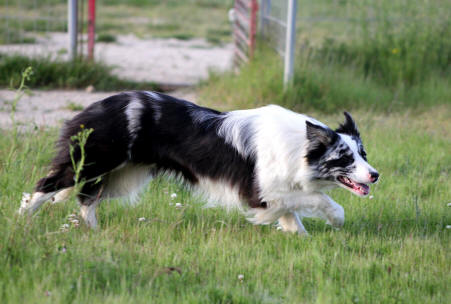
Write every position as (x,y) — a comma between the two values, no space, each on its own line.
(362,188)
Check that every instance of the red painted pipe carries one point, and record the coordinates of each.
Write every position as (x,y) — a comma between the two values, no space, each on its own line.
(91,28)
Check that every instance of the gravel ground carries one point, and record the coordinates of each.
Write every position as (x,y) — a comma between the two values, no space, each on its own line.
(167,61)
(52,108)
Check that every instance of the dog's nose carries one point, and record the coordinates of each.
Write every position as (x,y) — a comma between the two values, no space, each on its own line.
(374,176)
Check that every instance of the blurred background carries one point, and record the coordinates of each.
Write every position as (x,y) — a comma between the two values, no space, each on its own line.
(386,61)
(382,55)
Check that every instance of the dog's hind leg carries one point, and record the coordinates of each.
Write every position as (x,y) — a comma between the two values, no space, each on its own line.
(89,198)
(45,189)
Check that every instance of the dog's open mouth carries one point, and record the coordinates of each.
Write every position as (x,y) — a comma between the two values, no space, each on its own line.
(357,188)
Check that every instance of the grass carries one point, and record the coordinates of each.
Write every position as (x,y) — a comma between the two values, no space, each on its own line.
(393,248)
(316,86)
(54,73)
(146,19)
(106,38)
(74,107)
(377,55)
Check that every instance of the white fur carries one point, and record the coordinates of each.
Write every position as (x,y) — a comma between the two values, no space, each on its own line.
(88,213)
(219,194)
(133,113)
(155,106)
(279,140)
(363,169)
(31,205)
(126,180)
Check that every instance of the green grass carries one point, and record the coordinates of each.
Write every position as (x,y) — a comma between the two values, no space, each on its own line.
(54,73)
(74,107)
(146,19)
(318,86)
(380,55)
(106,38)
(393,248)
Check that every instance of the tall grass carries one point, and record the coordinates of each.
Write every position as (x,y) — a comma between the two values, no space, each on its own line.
(389,55)
(393,248)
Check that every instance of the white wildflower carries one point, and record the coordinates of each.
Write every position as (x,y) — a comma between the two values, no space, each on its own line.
(75,222)
(448,226)
(173,195)
(64,227)
(449,204)
(178,205)
(279,228)
(241,277)
(142,219)
(371,196)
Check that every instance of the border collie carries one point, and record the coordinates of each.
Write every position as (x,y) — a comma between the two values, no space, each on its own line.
(270,162)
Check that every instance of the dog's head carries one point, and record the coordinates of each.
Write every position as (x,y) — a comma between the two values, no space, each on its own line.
(339,157)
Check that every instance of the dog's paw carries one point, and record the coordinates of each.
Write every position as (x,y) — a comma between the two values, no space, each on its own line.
(26,197)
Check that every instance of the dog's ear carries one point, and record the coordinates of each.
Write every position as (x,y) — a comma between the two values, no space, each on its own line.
(320,135)
(348,127)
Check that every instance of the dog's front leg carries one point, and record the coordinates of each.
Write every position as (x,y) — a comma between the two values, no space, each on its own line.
(291,222)
(334,213)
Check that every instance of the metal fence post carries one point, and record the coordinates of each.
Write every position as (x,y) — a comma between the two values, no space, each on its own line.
(265,8)
(91,28)
(72,26)
(290,42)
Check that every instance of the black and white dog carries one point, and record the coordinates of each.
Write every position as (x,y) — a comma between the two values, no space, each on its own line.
(270,162)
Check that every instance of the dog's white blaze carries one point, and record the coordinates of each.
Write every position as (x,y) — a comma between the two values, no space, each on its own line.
(362,168)
(127,181)
(133,113)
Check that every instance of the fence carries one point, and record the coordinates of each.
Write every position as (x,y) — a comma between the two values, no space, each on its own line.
(244,29)
(277,25)
(26,21)
(40,27)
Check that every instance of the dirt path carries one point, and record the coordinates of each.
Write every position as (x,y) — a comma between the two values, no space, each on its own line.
(52,108)
(170,61)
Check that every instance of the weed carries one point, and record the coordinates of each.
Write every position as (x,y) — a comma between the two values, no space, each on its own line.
(106,38)
(78,147)
(54,73)
(75,107)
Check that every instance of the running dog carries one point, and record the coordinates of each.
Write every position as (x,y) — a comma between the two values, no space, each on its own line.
(270,162)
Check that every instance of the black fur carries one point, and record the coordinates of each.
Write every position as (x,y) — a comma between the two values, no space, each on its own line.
(324,142)
(169,137)
(348,127)
(321,139)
